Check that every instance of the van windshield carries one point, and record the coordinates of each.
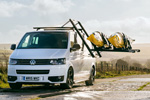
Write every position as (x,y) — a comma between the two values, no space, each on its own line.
(54,40)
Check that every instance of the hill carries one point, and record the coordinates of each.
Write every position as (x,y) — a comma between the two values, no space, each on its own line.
(142,56)
(5,46)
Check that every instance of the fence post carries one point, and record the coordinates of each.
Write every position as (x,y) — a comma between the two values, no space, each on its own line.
(122,68)
(116,68)
(107,67)
(112,67)
(119,69)
(102,66)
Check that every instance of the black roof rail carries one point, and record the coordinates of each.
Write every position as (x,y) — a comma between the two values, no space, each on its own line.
(53,28)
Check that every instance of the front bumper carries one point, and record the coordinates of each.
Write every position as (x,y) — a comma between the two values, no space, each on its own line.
(33,73)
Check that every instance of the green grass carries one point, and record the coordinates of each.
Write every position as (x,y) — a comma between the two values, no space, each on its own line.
(3,85)
(3,77)
(3,81)
(141,88)
(35,98)
(4,55)
(115,74)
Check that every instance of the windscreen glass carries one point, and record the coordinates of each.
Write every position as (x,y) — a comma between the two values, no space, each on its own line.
(54,40)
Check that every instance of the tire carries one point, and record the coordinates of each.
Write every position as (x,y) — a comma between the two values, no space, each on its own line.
(91,78)
(15,85)
(69,81)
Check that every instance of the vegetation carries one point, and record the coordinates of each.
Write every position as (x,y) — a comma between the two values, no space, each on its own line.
(120,67)
(141,88)
(110,74)
(3,81)
(4,55)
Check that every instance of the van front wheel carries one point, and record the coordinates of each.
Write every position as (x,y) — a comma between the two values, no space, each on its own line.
(91,78)
(69,81)
(15,85)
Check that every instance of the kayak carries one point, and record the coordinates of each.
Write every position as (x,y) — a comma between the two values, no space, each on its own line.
(119,41)
(99,39)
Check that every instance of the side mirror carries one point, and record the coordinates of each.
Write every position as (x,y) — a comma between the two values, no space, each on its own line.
(13,47)
(75,47)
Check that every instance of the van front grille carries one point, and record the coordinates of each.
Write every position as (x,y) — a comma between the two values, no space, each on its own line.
(38,61)
(32,71)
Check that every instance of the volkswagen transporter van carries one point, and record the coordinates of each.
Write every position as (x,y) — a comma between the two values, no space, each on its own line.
(50,57)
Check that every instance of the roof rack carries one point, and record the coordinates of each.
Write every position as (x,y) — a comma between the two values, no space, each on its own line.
(53,28)
(80,30)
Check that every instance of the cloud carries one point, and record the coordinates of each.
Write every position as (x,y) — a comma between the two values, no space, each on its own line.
(43,7)
(138,25)
(14,35)
(135,27)
(7,9)
(124,0)
(51,6)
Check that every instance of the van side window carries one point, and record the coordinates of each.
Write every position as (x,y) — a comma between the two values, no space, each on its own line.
(71,40)
(72,43)
(80,42)
(35,40)
(76,39)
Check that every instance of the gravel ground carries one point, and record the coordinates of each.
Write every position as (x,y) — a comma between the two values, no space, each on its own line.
(118,88)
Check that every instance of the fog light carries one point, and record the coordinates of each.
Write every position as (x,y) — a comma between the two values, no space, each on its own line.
(12,78)
(56,78)
(59,77)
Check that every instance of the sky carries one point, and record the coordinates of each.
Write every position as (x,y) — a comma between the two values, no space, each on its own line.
(108,16)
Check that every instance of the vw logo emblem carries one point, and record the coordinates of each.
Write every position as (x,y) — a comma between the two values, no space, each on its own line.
(32,62)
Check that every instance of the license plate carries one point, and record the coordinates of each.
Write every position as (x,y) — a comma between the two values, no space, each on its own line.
(27,78)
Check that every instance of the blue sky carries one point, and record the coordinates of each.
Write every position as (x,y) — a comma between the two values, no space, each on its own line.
(108,16)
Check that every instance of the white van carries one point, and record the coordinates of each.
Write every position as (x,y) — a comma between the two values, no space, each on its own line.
(50,57)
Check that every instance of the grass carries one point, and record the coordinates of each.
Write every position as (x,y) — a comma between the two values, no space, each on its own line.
(4,55)
(3,81)
(110,74)
(141,88)
(35,98)
(3,85)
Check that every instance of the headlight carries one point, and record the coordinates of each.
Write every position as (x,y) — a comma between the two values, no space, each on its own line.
(12,62)
(58,61)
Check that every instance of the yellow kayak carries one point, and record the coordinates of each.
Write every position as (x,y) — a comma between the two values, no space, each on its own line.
(99,39)
(120,40)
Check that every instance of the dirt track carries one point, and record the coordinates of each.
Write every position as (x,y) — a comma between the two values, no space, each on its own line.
(118,88)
